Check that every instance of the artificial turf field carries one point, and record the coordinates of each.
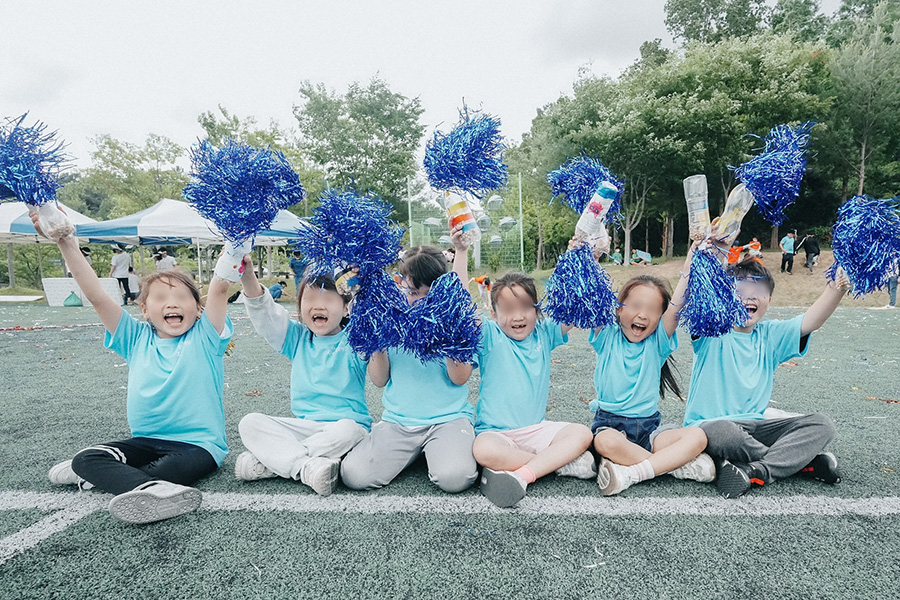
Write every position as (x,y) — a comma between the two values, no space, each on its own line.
(61,391)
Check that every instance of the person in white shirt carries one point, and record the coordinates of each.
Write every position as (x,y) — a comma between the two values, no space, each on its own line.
(121,262)
(166,262)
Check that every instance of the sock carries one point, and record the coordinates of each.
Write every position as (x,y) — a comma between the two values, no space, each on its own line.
(526,474)
(643,470)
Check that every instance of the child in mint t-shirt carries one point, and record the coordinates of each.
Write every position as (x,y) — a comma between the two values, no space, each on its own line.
(731,385)
(175,385)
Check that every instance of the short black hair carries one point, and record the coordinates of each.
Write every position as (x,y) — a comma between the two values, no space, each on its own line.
(753,267)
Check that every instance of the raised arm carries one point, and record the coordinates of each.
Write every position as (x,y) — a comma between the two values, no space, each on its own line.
(825,305)
(108,309)
(670,317)
(269,319)
(217,302)
(461,259)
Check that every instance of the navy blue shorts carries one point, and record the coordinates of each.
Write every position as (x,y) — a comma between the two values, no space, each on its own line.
(636,429)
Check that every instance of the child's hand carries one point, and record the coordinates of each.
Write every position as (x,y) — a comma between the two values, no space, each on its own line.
(51,224)
(716,237)
(456,238)
(575,242)
(841,280)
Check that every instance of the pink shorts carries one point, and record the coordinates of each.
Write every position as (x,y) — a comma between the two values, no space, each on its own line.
(534,438)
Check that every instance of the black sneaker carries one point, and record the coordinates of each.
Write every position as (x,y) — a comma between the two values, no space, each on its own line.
(823,467)
(735,480)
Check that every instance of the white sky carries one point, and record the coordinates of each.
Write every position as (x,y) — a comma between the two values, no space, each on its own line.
(132,68)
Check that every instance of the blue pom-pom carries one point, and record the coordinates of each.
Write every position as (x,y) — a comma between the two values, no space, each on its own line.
(241,188)
(866,242)
(469,158)
(378,315)
(349,229)
(711,303)
(443,324)
(579,291)
(30,162)
(774,176)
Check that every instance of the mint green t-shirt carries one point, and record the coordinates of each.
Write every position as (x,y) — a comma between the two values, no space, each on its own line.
(328,379)
(627,374)
(515,376)
(175,386)
(733,374)
(422,394)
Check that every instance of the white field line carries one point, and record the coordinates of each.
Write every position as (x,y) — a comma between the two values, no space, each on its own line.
(70,507)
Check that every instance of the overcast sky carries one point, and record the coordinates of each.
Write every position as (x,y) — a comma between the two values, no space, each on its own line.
(132,68)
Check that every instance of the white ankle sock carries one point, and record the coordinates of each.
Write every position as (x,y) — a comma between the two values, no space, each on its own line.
(642,471)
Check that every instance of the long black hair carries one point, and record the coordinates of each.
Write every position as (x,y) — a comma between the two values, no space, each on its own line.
(669,369)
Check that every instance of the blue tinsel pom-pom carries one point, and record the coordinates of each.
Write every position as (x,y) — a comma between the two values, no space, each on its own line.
(443,324)
(774,176)
(579,291)
(241,188)
(711,304)
(469,158)
(30,162)
(349,229)
(579,179)
(378,315)
(866,242)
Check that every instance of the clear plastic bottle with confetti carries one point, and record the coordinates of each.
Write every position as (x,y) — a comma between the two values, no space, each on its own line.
(697,198)
(739,202)
(460,212)
(591,226)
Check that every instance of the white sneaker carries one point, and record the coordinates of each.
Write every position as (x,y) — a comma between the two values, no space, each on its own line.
(582,467)
(321,474)
(613,478)
(503,488)
(155,501)
(701,469)
(62,474)
(248,468)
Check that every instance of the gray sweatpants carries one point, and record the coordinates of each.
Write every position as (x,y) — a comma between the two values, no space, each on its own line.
(390,448)
(779,448)
(285,444)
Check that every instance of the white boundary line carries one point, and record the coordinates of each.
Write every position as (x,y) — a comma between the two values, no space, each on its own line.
(69,508)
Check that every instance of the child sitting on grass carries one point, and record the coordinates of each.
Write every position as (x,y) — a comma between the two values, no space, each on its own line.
(176,379)
(731,385)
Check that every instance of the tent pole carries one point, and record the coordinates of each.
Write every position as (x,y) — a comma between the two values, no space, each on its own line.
(199,264)
(11,265)
(40,263)
(141,254)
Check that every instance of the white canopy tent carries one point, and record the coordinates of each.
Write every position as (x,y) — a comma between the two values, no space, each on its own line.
(177,223)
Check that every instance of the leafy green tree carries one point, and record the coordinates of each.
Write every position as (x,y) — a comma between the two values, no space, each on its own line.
(713,20)
(366,138)
(800,19)
(866,75)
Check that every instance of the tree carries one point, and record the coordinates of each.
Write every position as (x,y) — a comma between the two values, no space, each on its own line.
(366,138)
(866,76)
(800,19)
(713,20)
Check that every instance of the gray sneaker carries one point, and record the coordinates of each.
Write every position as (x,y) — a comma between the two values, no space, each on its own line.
(701,469)
(155,501)
(583,467)
(321,474)
(503,488)
(248,468)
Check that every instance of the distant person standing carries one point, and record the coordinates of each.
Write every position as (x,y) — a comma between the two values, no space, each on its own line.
(810,245)
(787,252)
(298,265)
(893,273)
(165,262)
(134,282)
(121,263)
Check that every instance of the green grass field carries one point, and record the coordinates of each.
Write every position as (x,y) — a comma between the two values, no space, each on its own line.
(62,391)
